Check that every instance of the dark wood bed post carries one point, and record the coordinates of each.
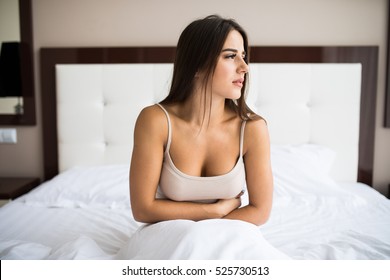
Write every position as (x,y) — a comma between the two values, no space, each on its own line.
(366,55)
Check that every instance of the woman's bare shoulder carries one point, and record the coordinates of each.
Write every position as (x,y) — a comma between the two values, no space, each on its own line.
(152,119)
(256,132)
(256,126)
(152,114)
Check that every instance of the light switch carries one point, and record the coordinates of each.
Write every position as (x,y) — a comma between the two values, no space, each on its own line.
(8,135)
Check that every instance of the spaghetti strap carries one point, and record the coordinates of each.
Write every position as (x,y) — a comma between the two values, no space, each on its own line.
(169,128)
(242,137)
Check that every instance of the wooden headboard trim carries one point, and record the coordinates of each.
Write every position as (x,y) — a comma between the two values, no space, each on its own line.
(366,55)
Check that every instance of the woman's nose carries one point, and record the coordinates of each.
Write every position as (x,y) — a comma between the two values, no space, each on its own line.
(243,67)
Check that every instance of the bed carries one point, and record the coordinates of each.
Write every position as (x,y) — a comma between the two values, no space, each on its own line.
(319,103)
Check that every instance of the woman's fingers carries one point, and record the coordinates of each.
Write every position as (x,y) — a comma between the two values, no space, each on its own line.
(240,194)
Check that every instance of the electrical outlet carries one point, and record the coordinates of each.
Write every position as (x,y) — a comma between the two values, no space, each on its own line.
(8,135)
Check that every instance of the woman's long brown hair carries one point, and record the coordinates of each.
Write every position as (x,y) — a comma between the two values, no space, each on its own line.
(198,49)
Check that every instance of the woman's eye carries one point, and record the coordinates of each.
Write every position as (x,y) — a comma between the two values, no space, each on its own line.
(232,56)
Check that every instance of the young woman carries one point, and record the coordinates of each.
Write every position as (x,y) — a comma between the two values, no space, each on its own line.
(201,148)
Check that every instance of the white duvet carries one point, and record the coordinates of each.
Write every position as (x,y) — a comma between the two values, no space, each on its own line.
(84,213)
(208,240)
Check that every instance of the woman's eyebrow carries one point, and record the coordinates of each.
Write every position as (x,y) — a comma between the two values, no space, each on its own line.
(232,50)
(229,50)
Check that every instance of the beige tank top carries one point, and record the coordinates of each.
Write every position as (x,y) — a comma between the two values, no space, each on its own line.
(179,186)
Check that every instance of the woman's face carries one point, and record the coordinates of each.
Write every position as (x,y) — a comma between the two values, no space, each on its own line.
(230,70)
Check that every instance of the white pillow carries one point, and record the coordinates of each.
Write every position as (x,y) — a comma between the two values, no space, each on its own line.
(304,155)
(302,168)
(98,186)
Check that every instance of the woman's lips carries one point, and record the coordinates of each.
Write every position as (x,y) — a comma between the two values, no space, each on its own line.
(238,82)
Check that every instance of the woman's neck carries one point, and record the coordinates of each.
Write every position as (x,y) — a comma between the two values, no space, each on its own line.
(203,110)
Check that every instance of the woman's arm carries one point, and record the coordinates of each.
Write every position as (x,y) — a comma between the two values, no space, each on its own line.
(150,136)
(259,178)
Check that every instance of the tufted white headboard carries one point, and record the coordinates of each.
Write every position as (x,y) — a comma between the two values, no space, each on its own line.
(307,95)
(97,105)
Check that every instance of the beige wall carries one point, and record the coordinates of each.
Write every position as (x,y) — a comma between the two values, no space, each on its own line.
(156,23)
(9,23)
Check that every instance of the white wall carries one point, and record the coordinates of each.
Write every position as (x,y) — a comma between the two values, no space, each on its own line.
(157,23)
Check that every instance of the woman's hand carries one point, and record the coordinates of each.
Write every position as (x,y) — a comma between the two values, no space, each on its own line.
(225,206)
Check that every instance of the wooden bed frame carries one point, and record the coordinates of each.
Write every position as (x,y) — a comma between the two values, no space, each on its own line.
(367,56)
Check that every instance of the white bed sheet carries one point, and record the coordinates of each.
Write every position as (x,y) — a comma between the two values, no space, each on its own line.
(352,222)
(38,232)
(85,214)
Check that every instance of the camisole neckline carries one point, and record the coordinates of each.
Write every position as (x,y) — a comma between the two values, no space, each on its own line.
(193,177)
